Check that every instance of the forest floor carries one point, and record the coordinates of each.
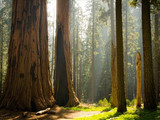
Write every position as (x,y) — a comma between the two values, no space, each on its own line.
(60,114)
(84,112)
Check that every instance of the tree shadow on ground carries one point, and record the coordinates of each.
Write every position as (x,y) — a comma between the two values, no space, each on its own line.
(18,115)
(60,113)
(148,114)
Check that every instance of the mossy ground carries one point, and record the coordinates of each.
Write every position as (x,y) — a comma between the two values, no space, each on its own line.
(109,113)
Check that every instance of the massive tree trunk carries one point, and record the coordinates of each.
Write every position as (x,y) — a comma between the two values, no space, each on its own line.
(93,26)
(138,69)
(28,85)
(63,86)
(120,65)
(149,87)
(156,55)
(113,58)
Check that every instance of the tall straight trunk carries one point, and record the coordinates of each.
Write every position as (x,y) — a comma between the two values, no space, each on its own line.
(93,26)
(77,56)
(120,65)
(80,81)
(126,50)
(28,85)
(139,73)
(63,86)
(156,54)
(52,63)
(149,87)
(113,57)
(74,53)
(1,55)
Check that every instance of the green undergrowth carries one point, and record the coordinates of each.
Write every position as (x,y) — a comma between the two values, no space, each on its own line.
(88,108)
(131,114)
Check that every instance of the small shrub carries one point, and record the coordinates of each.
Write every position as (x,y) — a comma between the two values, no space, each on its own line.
(110,99)
(133,102)
(100,103)
(103,103)
(127,102)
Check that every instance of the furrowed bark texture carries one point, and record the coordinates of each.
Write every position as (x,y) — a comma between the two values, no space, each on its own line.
(64,92)
(149,86)
(138,69)
(120,65)
(28,85)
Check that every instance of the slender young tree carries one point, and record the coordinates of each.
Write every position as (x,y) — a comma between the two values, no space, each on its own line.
(63,86)
(28,85)
(77,56)
(138,69)
(120,65)
(93,33)
(149,87)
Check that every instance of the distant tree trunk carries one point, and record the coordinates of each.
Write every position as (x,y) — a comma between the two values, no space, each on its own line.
(1,54)
(52,63)
(149,87)
(120,65)
(113,58)
(126,50)
(77,62)
(74,53)
(63,86)
(80,81)
(156,54)
(28,85)
(93,25)
(138,68)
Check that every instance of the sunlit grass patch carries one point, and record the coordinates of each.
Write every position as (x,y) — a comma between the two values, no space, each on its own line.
(101,116)
(84,107)
(131,114)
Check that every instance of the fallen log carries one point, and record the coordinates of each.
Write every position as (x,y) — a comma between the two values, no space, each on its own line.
(43,111)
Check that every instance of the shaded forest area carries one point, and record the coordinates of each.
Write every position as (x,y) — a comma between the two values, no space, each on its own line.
(93,54)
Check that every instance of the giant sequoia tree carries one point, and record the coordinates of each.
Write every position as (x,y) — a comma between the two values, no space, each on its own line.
(149,87)
(64,92)
(28,84)
(120,65)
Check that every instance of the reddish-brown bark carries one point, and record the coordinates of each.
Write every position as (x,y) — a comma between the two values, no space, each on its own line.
(28,85)
(63,89)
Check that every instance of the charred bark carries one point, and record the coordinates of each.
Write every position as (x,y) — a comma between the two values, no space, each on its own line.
(63,84)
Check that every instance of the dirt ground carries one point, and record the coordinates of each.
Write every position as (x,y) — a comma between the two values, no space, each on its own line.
(60,114)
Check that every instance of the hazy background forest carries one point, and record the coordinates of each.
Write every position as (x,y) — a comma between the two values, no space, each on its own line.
(90,59)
